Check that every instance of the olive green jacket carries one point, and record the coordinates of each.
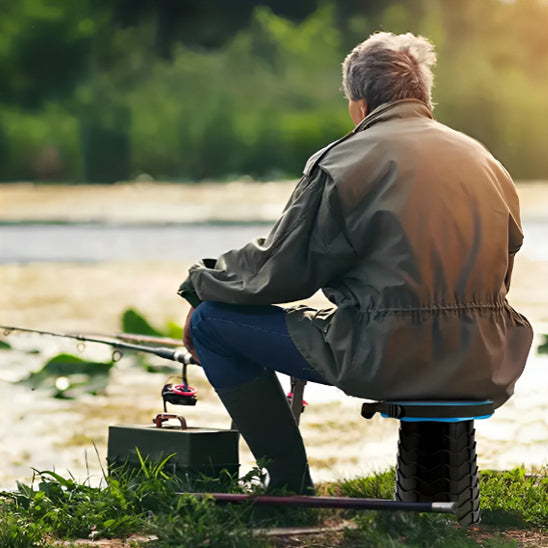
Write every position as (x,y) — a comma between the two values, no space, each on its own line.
(410,229)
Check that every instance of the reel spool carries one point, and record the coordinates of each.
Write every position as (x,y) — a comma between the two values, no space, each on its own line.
(179,394)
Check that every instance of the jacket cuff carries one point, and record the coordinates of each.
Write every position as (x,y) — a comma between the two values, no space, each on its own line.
(187,291)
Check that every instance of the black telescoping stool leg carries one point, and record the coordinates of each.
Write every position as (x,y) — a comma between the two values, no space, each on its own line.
(437,452)
(437,463)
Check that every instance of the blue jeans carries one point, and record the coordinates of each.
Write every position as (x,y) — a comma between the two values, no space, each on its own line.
(239,343)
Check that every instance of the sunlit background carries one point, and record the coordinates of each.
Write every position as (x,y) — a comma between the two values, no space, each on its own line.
(104,91)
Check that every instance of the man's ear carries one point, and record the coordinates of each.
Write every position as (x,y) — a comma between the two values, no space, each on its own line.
(363,108)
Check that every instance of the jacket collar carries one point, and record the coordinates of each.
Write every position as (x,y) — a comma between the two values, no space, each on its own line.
(406,108)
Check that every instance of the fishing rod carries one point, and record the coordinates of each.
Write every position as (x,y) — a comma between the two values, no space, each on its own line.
(150,339)
(135,337)
(182,355)
(349,503)
(178,394)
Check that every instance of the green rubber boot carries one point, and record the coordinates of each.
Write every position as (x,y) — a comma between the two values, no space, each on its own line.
(262,414)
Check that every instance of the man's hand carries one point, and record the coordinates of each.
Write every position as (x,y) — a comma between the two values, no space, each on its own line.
(187,335)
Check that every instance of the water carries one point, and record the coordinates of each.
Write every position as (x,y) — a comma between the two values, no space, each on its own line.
(535,245)
(97,242)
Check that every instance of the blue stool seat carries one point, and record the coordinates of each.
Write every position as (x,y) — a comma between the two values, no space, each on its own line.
(437,411)
(437,451)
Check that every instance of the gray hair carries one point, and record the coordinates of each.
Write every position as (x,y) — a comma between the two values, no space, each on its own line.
(388,67)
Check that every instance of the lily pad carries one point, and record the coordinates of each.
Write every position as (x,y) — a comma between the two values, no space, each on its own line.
(4,345)
(69,376)
(133,322)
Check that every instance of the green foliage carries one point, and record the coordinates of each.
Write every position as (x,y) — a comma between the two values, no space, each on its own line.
(69,376)
(200,522)
(174,330)
(514,497)
(249,108)
(15,533)
(403,529)
(4,345)
(40,145)
(148,500)
(398,529)
(145,500)
(61,31)
(66,509)
(149,486)
(379,485)
(120,96)
(508,499)
(134,322)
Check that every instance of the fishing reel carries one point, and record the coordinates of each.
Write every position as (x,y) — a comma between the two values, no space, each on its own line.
(179,394)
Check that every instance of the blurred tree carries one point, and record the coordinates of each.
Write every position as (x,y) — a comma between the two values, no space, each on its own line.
(43,49)
(44,53)
(194,89)
(206,23)
(492,75)
(119,61)
(357,19)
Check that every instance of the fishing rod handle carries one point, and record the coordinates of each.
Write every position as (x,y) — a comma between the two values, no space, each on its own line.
(181,356)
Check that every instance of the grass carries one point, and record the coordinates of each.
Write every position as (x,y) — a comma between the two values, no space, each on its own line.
(143,505)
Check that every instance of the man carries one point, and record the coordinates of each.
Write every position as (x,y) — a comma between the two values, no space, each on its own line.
(410,229)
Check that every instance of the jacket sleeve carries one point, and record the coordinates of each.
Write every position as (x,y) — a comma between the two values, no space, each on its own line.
(306,249)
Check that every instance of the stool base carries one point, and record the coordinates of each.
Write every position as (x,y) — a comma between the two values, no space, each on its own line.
(437,463)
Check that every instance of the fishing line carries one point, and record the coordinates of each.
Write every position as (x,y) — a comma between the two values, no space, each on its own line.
(181,355)
(179,394)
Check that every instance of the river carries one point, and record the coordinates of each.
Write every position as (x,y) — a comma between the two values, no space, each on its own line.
(105,242)
(184,242)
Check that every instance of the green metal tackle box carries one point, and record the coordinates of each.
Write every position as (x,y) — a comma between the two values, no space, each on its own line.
(194,452)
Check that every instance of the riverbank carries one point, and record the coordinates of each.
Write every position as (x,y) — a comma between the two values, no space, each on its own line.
(514,511)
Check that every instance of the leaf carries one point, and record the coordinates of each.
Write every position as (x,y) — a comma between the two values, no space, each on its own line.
(68,483)
(68,364)
(174,330)
(133,322)
(4,345)
(79,376)
(543,348)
